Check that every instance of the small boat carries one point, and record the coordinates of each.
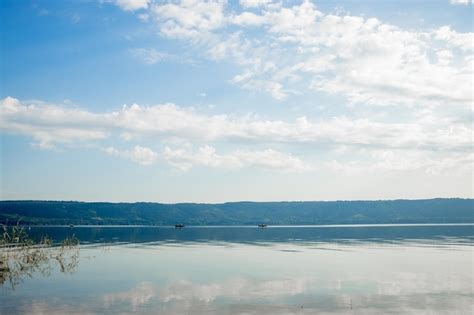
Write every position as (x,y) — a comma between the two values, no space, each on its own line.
(179,226)
(71,225)
(262,225)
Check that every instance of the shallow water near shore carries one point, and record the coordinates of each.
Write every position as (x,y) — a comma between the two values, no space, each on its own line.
(246,270)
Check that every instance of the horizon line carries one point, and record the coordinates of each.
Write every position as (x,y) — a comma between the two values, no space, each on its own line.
(238,201)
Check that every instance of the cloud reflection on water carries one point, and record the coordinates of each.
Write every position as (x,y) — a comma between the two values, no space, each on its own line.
(428,276)
(409,294)
(136,297)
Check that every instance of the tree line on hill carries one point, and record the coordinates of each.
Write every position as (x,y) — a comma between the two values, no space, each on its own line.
(439,210)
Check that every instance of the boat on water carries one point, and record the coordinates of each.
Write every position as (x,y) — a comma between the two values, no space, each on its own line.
(262,225)
(71,225)
(179,226)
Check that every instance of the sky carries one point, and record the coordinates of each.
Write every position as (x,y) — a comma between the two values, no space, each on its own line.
(214,101)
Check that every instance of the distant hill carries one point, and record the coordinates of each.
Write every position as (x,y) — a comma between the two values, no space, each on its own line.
(239,213)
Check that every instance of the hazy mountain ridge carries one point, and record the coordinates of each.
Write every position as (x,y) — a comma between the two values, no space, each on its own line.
(440,210)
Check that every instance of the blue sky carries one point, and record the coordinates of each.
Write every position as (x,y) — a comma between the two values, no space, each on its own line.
(128,100)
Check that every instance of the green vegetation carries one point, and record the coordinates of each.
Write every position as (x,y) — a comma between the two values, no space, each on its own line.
(236,213)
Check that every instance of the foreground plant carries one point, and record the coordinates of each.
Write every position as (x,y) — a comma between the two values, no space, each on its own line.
(21,256)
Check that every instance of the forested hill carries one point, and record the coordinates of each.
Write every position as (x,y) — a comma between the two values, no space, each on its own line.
(237,213)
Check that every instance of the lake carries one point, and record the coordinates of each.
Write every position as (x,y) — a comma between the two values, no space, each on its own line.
(398,269)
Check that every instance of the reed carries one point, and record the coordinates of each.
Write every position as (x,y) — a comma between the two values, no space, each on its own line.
(21,256)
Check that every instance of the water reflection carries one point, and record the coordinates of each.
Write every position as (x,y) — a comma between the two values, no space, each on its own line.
(290,296)
(421,234)
(340,275)
(21,260)
(248,280)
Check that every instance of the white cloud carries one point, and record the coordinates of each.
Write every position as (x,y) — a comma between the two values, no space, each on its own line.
(463,41)
(254,3)
(50,124)
(428,141)
(188,18)
(131,5)
(371,62)
(299,49)
(395,160)
(140,155)
(248,18)
(445,57)
(173,121)
(207,156)
(462,2)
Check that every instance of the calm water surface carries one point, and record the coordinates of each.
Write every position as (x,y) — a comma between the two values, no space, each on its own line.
(247,270)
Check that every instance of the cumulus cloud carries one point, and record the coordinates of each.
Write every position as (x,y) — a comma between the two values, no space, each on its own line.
(56,124)
(188,19)
(301,49)
(50,124)
(426,141)
(463,41)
